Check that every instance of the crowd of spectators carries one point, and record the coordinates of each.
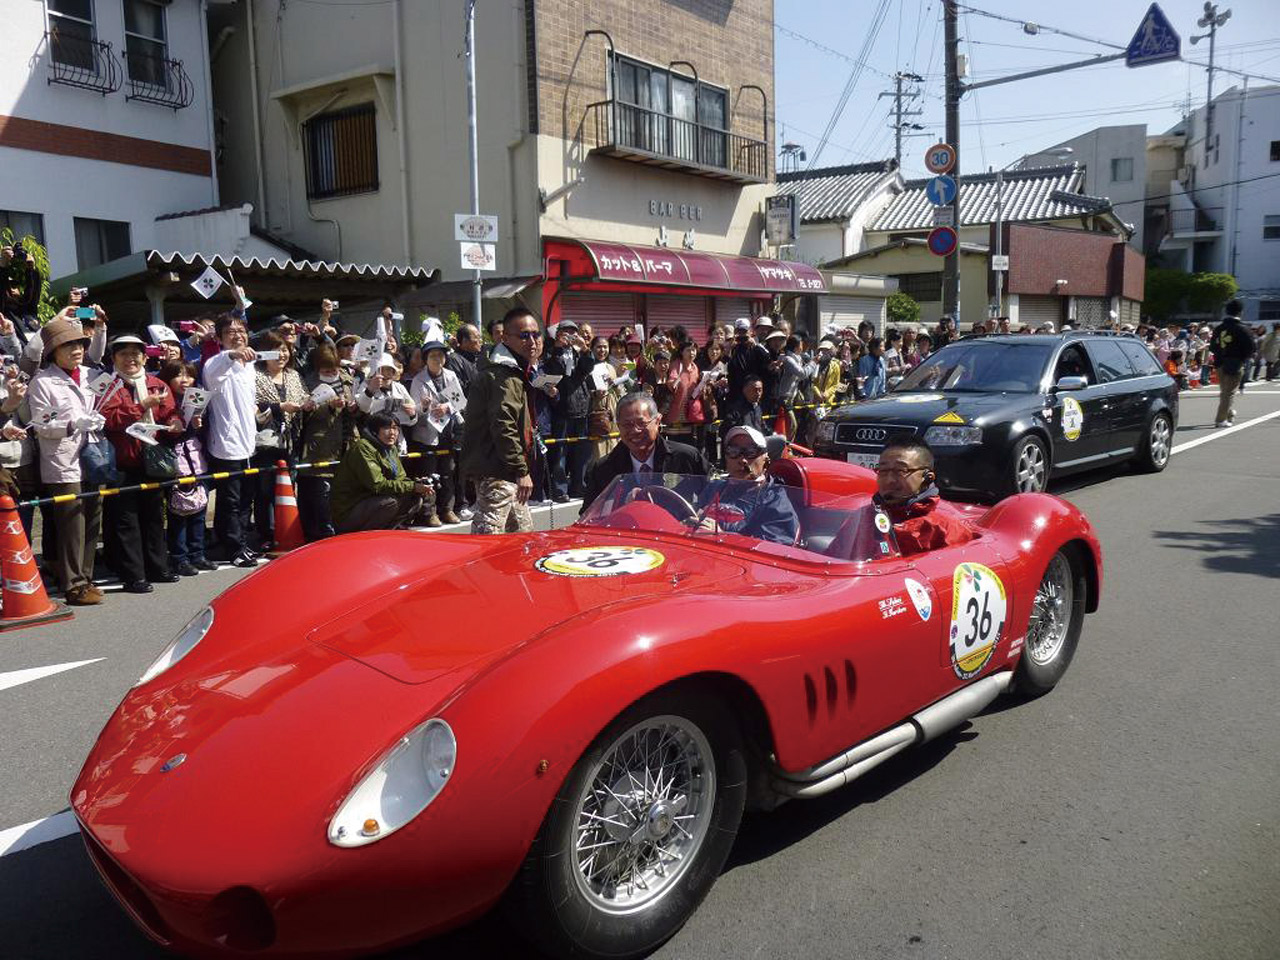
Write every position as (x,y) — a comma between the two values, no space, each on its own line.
(491,421)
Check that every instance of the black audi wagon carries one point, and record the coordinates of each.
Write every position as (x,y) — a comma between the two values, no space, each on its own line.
(1005,413)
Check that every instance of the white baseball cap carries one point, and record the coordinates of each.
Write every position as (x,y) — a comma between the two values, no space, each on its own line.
(751,433)
(742,323)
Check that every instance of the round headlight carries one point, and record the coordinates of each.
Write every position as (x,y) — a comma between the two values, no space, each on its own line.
(181,645)
(398,788)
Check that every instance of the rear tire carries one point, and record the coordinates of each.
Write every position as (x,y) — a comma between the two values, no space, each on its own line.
(1157,444)
(1029,467)
(1053,631)
(667,778)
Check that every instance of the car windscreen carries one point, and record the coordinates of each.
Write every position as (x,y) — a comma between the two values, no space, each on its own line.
(981,366)
(767,516)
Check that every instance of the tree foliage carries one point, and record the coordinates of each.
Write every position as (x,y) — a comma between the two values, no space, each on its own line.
(1173,292)
(902,309)
(1207,292)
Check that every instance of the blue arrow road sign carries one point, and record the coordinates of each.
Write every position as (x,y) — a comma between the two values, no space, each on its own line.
(941,191)
(1155,42)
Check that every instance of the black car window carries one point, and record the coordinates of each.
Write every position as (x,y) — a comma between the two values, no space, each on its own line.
(1144,362)
(1110,361)
(1073,362)
(981,366)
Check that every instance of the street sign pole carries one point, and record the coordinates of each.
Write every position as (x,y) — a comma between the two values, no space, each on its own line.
(951,266)
(476,305)
(999,240)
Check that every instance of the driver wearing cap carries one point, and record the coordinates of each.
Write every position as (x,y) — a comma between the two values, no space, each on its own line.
(907,492)
(747,501)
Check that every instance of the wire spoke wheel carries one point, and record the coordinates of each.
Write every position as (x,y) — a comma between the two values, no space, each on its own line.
(1051,612)
(1030,469)
(644,814)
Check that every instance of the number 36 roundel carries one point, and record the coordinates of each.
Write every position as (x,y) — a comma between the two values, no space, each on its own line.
(978,610)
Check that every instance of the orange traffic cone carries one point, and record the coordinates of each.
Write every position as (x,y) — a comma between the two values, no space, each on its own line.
(26,603)
(288,533)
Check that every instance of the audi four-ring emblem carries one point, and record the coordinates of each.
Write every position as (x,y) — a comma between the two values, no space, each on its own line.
(870,434)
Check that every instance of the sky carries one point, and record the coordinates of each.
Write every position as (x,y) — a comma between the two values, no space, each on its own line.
(818,44)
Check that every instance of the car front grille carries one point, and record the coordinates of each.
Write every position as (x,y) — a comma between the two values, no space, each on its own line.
(871,436)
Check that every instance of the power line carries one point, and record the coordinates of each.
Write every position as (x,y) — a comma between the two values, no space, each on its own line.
(854,75)
(1039,27)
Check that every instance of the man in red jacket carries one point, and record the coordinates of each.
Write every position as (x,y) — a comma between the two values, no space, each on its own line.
(908,494)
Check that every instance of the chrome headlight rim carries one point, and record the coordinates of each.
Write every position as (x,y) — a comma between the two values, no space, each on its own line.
(188,638)
(363,802)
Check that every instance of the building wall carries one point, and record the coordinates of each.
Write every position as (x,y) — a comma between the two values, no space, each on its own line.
(1095,150)
(1039,257)
(895,262)
(70,152)
(819,242)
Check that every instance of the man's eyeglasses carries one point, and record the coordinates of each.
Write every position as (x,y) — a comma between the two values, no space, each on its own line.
(627,426)
(904,472)
(530,335)
(742,453)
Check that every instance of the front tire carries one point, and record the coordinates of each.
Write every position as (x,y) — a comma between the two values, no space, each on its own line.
(1053,631)
(638,832)
(1029,467)
(1157,444)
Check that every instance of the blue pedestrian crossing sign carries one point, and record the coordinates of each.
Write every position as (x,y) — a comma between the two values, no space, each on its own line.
(1155,42)
(941,191)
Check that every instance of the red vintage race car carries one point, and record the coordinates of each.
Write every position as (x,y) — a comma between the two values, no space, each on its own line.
(571,722)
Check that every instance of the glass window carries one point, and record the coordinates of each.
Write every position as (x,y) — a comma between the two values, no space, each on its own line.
(144,42)
(23,224)
(1269,311)
(100,241)
(1122,169)
(981,366)
(1271,228)
(1073,362)
(1110,361)
(342,152)
(1141,359)
(921,287)
(1275,151)
(71,33)
(669,114)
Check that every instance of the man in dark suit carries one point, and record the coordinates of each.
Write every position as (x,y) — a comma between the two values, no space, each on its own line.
(642,449)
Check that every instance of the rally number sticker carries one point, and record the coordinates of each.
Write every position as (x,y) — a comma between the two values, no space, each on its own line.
(600,561)
(1072,418)
(978,609)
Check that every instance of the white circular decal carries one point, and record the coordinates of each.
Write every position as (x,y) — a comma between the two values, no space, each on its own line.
(919,397)
(600,561)
(883,523)
(978,608)
(919,595)
(1072,418)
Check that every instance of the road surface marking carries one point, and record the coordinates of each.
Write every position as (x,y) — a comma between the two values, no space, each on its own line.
(1219,433)
(16,678)
(1213,394)
(36,832)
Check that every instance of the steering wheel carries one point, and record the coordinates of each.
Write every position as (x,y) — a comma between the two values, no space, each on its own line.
(666,498)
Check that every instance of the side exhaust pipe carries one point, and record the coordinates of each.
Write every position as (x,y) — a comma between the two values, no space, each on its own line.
(921,728)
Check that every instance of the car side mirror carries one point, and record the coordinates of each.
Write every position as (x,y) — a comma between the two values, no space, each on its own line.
(1071,383)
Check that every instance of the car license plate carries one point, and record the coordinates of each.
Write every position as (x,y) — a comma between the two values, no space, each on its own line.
(868,460)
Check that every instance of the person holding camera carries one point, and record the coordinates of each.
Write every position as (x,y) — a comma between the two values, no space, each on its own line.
(371,488)
(570,360)
(282,401)
(134,521)
(231,422)
(328,428)
(439,396)
(20,289)
(92,320)
(62,408)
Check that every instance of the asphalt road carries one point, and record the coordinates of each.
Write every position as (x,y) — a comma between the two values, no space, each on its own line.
(1132,813)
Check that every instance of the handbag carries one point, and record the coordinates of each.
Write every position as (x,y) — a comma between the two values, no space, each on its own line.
(188,499)
(159,462)
(98,463)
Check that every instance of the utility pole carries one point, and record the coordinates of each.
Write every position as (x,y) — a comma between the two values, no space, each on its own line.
(951,265)
(1213,20)
(899,95)
(470,52)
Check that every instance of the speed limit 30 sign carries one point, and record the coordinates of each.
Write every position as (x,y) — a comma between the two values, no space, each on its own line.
(940,158)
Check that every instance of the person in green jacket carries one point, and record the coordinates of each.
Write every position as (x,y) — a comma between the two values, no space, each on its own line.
(371,490)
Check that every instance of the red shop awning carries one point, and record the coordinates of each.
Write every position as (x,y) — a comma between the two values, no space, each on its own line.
(657,266)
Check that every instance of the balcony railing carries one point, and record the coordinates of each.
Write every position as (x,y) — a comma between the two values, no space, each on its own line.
(653,137)
(82,62)
(158,80)
(1200,220)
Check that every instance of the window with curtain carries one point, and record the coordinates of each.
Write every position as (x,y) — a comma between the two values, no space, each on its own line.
(23,224)
(71,33)
(669,113)
(100,241)
(342,152)
(146,48)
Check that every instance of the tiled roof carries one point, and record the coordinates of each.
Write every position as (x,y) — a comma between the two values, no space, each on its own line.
(1038,194)
(308,269)
(833,193)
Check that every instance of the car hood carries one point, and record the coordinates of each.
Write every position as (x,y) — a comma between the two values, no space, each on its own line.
(927,408)
(454,618)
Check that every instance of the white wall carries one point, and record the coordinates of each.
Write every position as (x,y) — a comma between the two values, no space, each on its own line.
(1095,150)
(60,188)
